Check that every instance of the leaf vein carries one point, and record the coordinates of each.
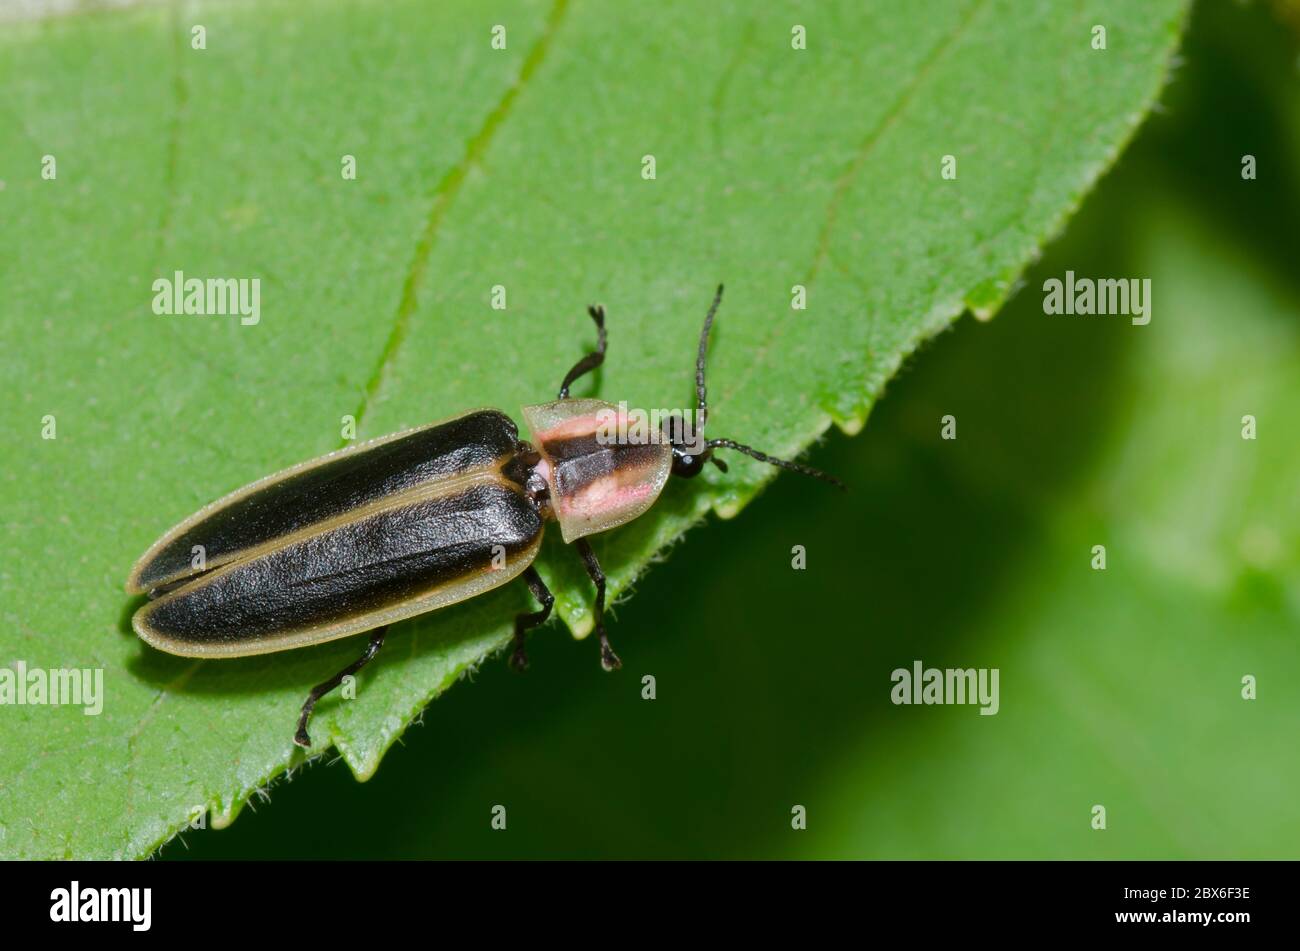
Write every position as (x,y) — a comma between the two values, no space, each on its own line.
(849,176)
(443,195)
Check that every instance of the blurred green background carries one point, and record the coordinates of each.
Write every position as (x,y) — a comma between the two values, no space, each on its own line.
(1119,687)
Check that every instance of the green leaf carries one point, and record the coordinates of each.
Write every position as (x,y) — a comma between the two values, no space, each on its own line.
(476,167)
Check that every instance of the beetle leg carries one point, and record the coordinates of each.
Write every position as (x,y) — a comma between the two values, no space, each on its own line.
(608,659)
(591,360)
(318,691)
(526,622)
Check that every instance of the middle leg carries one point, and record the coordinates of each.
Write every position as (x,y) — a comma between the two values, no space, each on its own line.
(526,622)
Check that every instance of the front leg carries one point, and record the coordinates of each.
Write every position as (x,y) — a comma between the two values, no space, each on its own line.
(608,659)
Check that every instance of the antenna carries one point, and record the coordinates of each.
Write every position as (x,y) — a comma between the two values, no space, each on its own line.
(702,414)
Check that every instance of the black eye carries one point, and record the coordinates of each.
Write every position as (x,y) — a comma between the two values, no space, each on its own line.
(686,465)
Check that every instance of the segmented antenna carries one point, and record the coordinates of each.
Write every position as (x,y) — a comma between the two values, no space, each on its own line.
(772,460)
(701,403)
(702,414)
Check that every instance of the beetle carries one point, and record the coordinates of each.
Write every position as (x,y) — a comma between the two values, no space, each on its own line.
(361,538)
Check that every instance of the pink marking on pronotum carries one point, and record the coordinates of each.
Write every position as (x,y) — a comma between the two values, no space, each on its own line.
(576,426)
(604,495)
(615,422)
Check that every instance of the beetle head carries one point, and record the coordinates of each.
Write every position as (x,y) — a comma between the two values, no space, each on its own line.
(690,451)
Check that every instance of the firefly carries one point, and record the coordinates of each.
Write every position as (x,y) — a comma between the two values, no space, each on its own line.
(401,525)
